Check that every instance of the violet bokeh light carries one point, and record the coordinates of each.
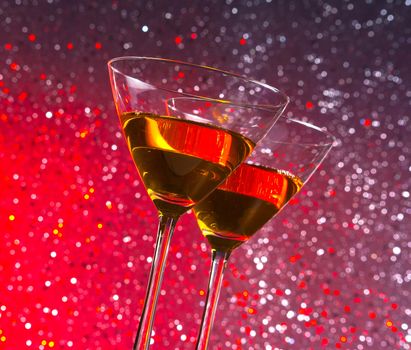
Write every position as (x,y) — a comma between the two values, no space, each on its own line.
(331,271)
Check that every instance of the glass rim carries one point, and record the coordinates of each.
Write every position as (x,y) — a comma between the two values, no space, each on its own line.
(225,102)
(273,89)
(331,139)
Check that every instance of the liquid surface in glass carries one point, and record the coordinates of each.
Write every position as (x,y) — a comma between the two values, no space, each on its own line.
(181,161)
(242,204)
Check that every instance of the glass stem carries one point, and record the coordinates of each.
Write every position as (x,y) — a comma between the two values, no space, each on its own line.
(165,231)
(219,262)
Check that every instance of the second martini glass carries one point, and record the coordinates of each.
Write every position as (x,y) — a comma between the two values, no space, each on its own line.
(182,157)
(255,192)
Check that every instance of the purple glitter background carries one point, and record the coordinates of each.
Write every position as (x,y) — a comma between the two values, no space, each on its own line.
(331,271)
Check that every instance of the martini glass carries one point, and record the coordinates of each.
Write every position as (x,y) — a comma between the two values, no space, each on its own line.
(254,193)
(182,157)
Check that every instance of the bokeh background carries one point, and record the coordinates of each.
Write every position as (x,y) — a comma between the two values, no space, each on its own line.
(77,228)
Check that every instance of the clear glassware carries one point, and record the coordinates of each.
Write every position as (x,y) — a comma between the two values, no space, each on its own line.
(254,193)
(182,157)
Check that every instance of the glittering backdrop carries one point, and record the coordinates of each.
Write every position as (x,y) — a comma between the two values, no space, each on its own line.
(331,271)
